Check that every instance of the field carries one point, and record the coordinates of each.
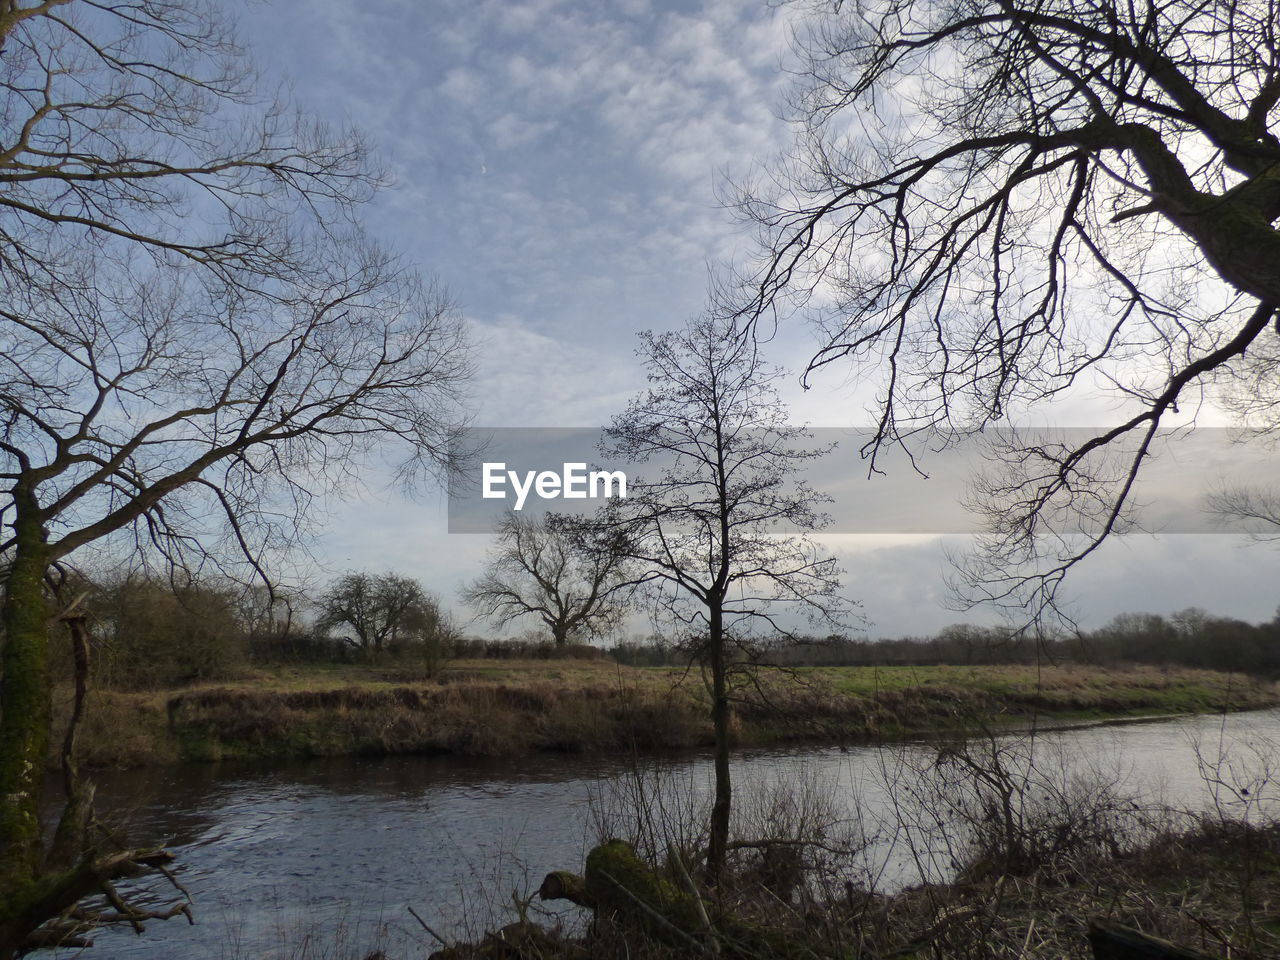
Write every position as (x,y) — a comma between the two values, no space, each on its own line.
(494,708)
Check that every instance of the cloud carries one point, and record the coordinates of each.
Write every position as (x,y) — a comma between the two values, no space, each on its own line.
(556,164)
(900,581)
(600,138)
(531,379)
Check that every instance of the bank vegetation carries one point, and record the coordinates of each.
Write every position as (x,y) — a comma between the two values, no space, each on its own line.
(508,707)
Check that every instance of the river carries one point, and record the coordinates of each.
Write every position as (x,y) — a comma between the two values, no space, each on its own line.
(337,850)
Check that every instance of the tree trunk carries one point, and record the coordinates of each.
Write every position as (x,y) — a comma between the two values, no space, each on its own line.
(719,839)
(24,709)
(24,700)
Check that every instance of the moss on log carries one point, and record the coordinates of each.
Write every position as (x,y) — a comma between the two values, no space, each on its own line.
(563,885)
(631,891)
(617,884)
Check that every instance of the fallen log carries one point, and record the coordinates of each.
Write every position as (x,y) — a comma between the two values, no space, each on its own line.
(563,885)
(617,884)
(1115,941)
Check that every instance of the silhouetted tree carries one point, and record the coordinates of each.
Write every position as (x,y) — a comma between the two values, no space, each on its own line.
(382,612)
(989,203)
(537,570)
(718,531)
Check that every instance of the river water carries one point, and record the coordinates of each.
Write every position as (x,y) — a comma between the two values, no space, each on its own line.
(338,850)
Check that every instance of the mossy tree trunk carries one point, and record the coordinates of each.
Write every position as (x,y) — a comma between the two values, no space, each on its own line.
(24,696)
(40,880)
(24,711)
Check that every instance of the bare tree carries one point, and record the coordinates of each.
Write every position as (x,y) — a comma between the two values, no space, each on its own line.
(382,611)
(990,203)
(1252,510)
(719,532)
(195,340)
(537,570)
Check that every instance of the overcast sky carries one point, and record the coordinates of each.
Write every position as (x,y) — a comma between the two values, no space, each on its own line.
(556,166)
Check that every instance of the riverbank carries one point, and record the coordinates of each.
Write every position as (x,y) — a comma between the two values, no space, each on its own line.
(1204,890)
(503,708)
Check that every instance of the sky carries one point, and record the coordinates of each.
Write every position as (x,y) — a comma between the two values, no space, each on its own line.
(558,166)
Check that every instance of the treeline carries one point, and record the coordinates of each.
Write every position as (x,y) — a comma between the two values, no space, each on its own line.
(1189,638)
(150,632)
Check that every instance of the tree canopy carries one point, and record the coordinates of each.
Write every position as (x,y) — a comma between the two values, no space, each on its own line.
(379,612)
(990,205)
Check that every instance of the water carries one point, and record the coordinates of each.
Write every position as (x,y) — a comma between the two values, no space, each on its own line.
(342,847)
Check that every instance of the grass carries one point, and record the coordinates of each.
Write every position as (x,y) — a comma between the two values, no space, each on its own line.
(1066,691)
(494,708)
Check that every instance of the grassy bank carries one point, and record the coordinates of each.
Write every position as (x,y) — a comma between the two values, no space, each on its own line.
(495,708)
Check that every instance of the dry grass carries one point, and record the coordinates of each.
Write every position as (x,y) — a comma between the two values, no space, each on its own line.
(492,708)
(1213,888)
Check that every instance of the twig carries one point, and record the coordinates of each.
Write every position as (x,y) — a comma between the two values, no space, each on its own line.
(127,913)
(785,842)
(945,919)
(443,941)
(712,943)
(1027,941)
(174,880)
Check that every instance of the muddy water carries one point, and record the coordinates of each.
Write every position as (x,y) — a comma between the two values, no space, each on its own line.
(337,850)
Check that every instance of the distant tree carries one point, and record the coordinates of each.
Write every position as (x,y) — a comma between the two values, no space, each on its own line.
(1140,637)
(718,532)
(989,204)
(153,632)
(196,340)
(536,570)
(383,612)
